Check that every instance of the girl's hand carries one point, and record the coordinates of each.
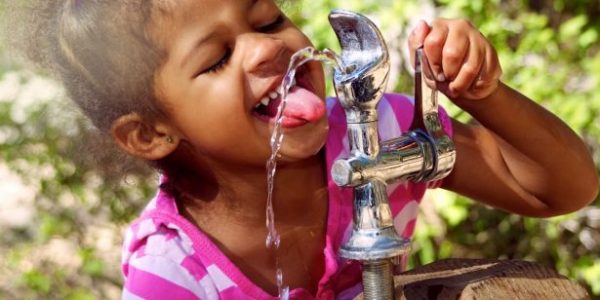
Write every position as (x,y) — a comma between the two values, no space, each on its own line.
(462,60)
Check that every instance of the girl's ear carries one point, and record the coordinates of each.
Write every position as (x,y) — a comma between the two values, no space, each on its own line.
(143,140)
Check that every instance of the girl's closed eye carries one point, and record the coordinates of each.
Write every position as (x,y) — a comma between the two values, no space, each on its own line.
(219,64)
(280,20)
(276,24)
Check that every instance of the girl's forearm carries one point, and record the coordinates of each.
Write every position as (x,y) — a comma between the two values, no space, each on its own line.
(544,155)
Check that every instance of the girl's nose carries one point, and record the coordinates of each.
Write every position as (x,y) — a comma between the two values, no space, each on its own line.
(263,55)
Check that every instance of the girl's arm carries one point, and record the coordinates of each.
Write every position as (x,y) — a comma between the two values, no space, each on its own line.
(521,158)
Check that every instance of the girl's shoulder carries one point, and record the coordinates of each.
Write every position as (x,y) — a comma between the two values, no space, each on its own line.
(159,258)
(156,258)
(164,256)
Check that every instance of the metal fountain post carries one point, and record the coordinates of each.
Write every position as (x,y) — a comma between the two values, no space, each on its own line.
(424,153)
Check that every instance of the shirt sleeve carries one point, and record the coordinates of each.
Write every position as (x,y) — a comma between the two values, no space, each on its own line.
(159,277)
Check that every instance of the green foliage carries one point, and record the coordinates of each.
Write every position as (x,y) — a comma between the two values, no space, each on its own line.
(549,50)
(38,282)
(45,144)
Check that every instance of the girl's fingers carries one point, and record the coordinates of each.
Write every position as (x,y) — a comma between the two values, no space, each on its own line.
(455,52)
(417,38)
(469,69)
(433,45)
(492,70)
(462,60)
(487,81)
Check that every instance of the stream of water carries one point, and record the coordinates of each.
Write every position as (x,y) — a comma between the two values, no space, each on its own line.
(298,59)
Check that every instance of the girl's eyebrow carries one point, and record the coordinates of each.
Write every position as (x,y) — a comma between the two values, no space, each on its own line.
(196,46)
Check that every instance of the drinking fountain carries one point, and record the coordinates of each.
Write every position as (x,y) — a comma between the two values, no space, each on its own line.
(424,153)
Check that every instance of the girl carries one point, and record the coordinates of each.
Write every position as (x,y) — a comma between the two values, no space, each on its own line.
(190,86)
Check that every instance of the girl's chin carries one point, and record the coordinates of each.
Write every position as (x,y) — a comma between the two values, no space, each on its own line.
(303,142)
(291,152)
(295,159)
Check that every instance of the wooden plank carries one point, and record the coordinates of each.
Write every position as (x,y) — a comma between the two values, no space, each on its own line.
(485,279)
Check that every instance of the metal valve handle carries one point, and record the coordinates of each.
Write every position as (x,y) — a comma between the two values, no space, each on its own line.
(426,119)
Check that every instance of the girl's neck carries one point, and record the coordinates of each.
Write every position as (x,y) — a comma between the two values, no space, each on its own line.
(230,207)
(241,195)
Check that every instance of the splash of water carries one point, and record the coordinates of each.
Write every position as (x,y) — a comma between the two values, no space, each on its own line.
(298,59)
(284,291)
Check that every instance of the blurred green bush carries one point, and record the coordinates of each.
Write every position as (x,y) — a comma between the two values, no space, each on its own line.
(549,51)
(64,243)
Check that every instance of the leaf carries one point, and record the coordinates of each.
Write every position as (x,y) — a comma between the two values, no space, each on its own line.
(588,38)
(572,27)
(37,281)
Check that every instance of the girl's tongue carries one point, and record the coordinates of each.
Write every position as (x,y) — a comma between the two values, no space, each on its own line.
(302,106)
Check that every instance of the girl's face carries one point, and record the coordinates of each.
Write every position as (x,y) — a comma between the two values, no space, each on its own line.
(223,58)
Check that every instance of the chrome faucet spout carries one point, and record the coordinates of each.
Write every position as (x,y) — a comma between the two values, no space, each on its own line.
(361,83)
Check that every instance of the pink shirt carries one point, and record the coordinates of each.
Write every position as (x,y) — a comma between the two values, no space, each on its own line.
(167,257)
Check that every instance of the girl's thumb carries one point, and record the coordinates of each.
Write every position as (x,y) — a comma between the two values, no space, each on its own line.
(417,37)
(418,34)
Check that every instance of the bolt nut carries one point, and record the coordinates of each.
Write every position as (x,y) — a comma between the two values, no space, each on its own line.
(343,173)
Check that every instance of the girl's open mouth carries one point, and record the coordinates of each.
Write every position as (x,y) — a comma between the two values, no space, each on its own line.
(302,103)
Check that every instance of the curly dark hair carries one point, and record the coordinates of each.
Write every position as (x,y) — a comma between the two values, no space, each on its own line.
(101,50)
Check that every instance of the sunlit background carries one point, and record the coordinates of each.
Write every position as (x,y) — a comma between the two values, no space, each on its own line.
(64,206)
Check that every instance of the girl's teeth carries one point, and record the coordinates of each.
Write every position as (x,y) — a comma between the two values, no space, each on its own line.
(265,101)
